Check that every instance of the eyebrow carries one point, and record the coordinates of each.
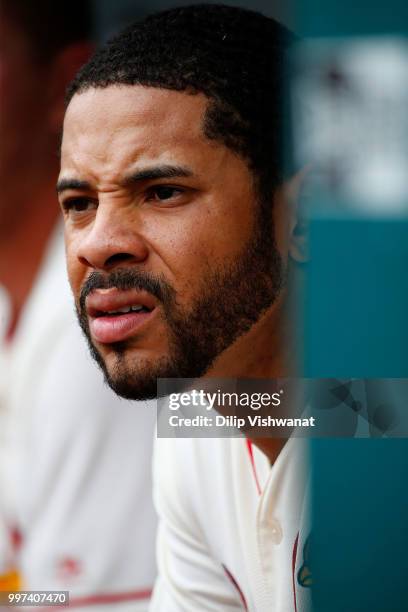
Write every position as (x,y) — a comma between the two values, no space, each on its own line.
(145,174)
(157,172)
(71,183)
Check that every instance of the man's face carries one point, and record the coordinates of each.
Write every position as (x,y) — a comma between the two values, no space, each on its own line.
(22,126)
(168,257)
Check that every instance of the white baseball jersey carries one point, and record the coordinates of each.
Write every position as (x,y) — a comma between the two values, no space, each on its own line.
(232,530)
(77,465)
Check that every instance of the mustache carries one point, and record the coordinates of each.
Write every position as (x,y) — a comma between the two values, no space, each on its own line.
(125,279)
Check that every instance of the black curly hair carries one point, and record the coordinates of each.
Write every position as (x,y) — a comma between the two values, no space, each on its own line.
(234,56)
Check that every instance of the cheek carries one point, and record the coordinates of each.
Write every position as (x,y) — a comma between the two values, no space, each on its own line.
(75,269)
(196,242)
(192,257)
(184,261)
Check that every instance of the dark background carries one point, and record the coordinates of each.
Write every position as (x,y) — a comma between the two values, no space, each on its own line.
(111,15)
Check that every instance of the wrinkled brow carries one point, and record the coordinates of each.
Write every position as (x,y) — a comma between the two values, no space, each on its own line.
(157,172)
(70,183)
(144,174)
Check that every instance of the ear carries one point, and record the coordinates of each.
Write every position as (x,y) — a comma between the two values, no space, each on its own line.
(63,69)
(297,224)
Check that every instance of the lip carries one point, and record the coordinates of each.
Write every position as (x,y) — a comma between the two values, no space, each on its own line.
(107,329)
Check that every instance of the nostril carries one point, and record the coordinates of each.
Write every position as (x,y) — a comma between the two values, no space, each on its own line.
(118,258)
(84,261)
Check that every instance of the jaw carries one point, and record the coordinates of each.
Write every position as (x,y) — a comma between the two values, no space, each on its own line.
(262,352)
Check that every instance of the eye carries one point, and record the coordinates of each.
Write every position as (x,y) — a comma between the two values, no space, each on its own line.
(78,205)
(161,193)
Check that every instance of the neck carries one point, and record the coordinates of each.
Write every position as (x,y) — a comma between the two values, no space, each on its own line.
(266,351)
(22,243)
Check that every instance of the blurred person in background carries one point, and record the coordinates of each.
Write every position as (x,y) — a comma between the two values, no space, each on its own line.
(75,485)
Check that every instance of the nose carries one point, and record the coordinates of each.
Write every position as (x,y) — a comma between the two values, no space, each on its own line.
(113,240)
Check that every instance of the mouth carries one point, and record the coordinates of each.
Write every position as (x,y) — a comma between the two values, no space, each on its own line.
(115,316)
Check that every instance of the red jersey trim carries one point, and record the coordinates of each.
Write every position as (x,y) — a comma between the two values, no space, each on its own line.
(236,585)
(11,330)
(294,557)
(104,598)
(252,459)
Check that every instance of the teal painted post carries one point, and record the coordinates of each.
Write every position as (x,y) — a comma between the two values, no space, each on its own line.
(356,306)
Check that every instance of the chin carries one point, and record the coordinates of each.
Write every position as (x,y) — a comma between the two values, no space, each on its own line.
(140,390)
(135,378)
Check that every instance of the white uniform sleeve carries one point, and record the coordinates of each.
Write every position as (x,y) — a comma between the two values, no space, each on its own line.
(190,578)
(7,560)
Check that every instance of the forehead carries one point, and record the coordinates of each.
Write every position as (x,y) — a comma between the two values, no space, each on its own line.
(109,129)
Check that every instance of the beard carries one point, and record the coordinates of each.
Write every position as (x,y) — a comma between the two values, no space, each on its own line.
(232,299)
